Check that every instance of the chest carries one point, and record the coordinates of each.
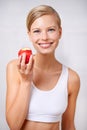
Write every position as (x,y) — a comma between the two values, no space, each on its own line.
(46,81)
(49,105)
(50,102)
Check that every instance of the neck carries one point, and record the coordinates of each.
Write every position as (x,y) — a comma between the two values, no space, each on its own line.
(45,61)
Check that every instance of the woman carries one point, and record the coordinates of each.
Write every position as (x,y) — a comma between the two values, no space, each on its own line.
(41,94)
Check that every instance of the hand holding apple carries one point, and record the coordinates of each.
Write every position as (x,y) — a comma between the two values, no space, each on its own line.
(28,53)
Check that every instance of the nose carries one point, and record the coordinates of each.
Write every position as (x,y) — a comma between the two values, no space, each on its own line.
(44,35)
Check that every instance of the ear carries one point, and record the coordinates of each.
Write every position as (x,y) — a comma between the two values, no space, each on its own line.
(29,34)
(60,32)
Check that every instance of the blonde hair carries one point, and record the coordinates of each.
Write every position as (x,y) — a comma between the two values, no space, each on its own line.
(40,11)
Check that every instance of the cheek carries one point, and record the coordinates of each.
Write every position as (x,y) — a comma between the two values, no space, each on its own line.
(56,37)
(34,38)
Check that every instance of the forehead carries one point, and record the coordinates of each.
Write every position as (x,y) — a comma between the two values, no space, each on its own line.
(45,21)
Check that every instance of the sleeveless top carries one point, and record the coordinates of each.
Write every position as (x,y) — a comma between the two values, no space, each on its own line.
(48,106)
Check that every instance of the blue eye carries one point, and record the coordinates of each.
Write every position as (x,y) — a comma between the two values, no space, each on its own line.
(36,31)
(51,29)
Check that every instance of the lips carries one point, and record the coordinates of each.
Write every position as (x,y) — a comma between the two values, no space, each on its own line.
(45,45)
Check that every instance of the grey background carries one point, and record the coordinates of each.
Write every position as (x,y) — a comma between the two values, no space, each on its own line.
(72,50)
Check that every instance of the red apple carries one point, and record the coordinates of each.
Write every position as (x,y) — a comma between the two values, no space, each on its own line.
(28,53)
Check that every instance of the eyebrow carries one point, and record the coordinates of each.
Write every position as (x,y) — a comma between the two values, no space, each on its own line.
(35,28)
(47,27)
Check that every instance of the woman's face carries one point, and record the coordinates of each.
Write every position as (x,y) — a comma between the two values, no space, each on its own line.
(45,34)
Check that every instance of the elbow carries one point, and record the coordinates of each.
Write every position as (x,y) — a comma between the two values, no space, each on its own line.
(68,126)
(13,125)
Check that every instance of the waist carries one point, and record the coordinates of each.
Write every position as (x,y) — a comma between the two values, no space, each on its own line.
(32,125)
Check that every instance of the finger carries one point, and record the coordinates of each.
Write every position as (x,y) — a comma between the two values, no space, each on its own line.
(23,58)
(19,61)
(30,63)
(28,68)
(23,61)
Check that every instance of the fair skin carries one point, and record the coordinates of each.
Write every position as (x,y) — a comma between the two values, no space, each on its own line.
(45,35)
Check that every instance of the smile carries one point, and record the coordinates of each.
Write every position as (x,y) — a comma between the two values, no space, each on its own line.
(45,45)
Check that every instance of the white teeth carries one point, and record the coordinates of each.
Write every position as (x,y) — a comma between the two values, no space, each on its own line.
(45,45)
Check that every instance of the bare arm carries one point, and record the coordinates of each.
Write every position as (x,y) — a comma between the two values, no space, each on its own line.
(19,78)
(73,89)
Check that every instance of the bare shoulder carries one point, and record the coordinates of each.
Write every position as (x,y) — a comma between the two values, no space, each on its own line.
(11,69)
(11,63)
(11,66)
(74,81)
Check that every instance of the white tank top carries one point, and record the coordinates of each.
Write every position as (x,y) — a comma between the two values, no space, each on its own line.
(48,106)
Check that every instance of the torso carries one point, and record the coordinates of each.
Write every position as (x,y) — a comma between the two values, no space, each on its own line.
(42,80)
(30,125)
(33,125)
